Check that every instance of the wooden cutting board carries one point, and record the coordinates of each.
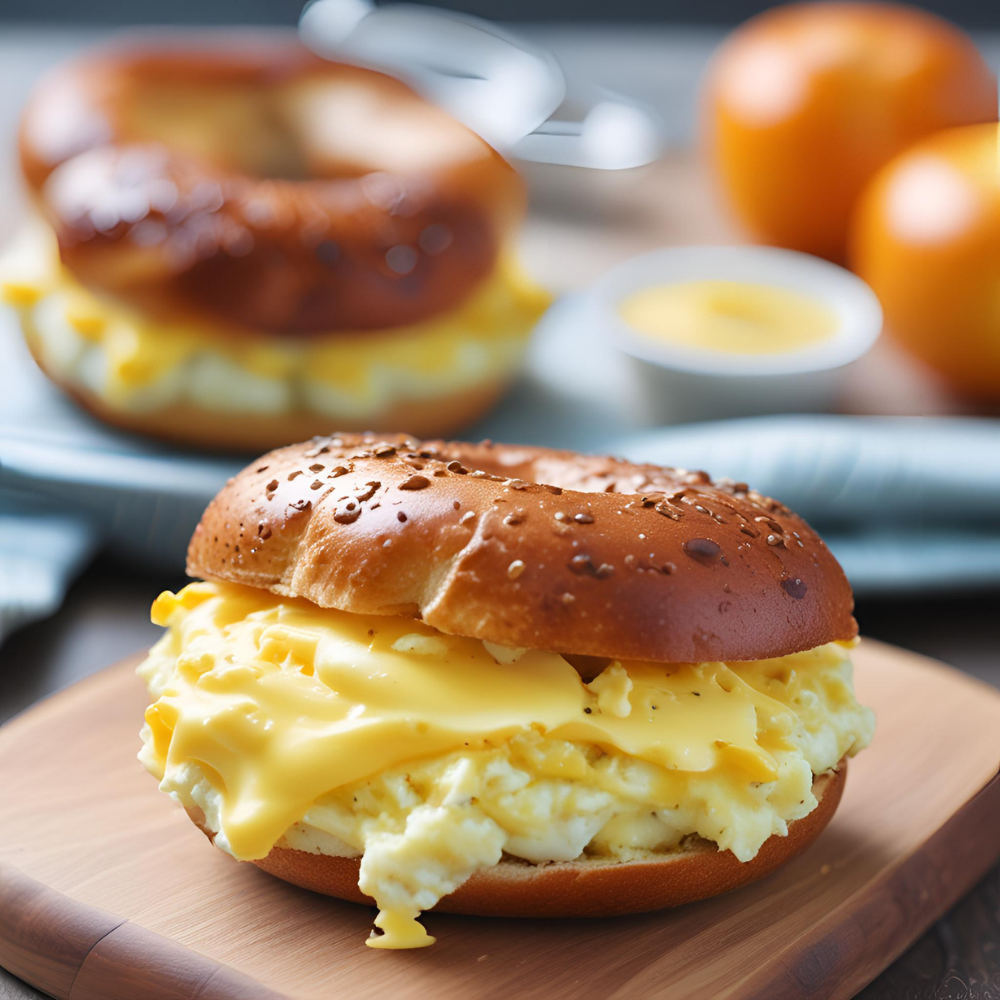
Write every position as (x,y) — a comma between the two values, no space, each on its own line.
(108,891)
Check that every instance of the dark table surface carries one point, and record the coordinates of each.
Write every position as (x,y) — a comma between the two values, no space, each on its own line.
(106,618)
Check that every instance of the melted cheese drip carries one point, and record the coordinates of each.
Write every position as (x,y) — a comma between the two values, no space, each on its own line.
(138,363)
(741,318)
(431,755)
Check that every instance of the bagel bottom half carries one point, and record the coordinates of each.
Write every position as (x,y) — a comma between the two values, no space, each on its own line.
(247,431)
(590,887)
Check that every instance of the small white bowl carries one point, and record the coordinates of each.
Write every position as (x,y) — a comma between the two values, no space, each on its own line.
(693,383)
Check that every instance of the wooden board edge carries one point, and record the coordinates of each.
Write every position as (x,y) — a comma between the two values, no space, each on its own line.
(869,931)
(46,936)
(74,951)
(140,964)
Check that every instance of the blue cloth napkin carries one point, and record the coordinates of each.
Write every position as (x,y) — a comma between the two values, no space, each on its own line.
(40,554)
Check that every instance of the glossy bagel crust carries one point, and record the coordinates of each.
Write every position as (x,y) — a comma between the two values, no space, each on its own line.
(529,548)
(590,887)
(371,233)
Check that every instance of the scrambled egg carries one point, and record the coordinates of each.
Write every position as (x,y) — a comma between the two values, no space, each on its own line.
(429,755)
(138,363)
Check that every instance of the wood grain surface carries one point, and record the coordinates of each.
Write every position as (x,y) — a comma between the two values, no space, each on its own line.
(107,890)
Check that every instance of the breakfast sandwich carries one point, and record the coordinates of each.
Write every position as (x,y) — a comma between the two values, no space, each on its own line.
(501,680)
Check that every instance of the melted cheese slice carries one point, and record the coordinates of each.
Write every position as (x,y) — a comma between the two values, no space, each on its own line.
(433,754)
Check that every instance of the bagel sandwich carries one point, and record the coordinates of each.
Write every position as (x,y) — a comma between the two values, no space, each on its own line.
(502,680)
(235,248)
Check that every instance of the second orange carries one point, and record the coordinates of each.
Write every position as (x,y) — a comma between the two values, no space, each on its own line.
(803,104)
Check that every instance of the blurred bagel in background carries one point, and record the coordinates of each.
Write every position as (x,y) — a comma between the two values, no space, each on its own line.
(229,240)
(805,102)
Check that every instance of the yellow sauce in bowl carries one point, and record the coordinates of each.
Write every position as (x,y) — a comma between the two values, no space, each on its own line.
(739,318)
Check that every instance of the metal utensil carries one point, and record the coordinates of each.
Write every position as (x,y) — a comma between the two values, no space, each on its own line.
(501,86)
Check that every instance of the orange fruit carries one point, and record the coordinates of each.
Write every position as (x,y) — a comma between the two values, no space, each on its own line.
(803,104)
(926,238)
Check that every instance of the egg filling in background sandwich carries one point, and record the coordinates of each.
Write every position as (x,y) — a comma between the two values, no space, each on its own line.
(234,247)
(137,363)
(375,755)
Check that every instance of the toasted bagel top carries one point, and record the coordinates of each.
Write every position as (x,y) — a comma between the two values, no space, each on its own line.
(529,548)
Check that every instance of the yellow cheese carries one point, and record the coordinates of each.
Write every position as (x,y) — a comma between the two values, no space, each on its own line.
(86,315)
(742,318)
(19,293)
(431,756)
(141,350)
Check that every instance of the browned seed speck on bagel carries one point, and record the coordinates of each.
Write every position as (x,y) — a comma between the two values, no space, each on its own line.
(529,548)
